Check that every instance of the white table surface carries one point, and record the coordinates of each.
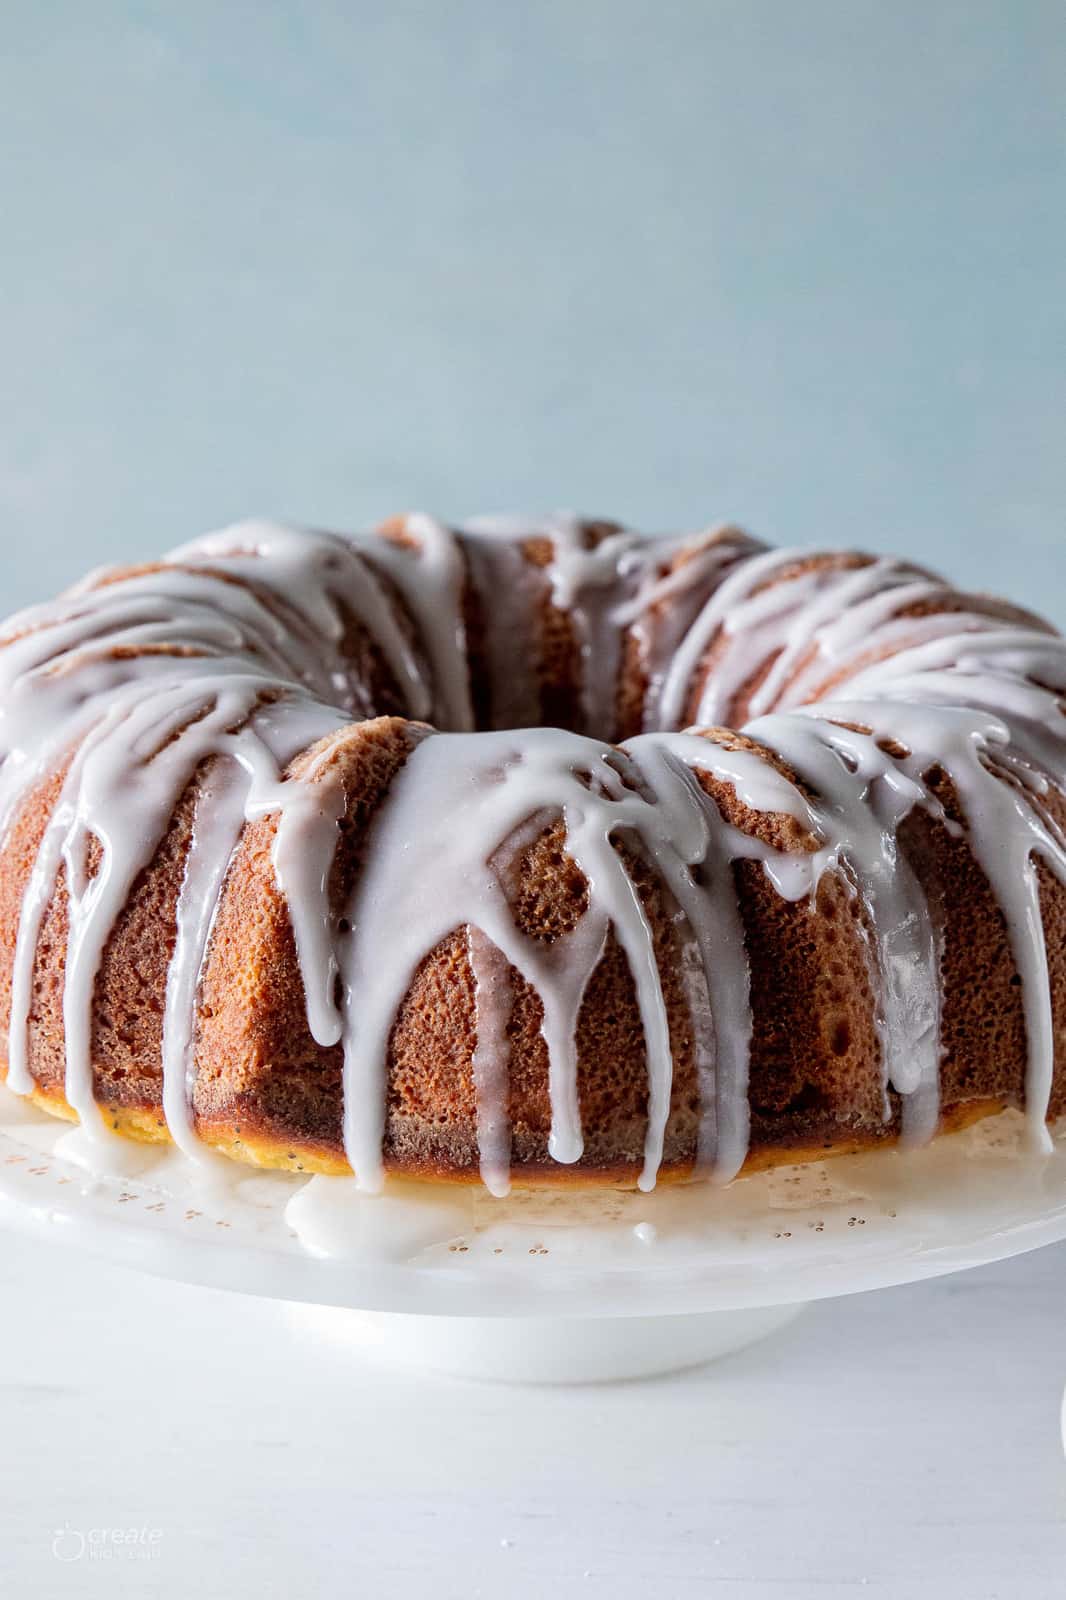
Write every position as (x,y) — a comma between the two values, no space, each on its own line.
(904,1443)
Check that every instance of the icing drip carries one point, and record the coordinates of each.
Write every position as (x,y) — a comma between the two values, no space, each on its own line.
(715,614)
(120,792)
(320,580)
(412,896)
(586,580)
(483,790)
(862,797)
(1007,834)
(781,609)
(665,607)
(217,830)
(135,686)
(430,575)
(493,998)
(867,594)
(608,589)
(695,837)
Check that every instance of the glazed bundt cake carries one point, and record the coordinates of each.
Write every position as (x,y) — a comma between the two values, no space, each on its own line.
(253,901)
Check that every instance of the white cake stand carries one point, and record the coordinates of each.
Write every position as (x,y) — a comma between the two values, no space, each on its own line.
(540,1287)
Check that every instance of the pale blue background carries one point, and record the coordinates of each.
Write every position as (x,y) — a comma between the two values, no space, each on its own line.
(675,260)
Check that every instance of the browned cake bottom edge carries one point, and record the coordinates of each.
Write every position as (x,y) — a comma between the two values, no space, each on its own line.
(145,1125)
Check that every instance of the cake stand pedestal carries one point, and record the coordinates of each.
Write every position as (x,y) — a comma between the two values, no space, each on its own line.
(564,1349)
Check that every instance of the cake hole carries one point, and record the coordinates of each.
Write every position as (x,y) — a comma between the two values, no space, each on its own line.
(840,1043)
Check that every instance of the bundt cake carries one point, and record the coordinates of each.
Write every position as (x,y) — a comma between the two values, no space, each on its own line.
(252,901)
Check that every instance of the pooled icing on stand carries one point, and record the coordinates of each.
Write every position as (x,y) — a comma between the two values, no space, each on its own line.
(227,662)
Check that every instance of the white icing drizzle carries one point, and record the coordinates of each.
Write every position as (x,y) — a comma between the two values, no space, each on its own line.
(228,663)
(493,998)
(838,594)
(483,789)
(718,610)
(317,578)
(609,589)
(430,575)
(220,814)
(665,607)
(586,580)
(136,685)
(695,836)
(862,798)
(1007,833)
(782,608)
